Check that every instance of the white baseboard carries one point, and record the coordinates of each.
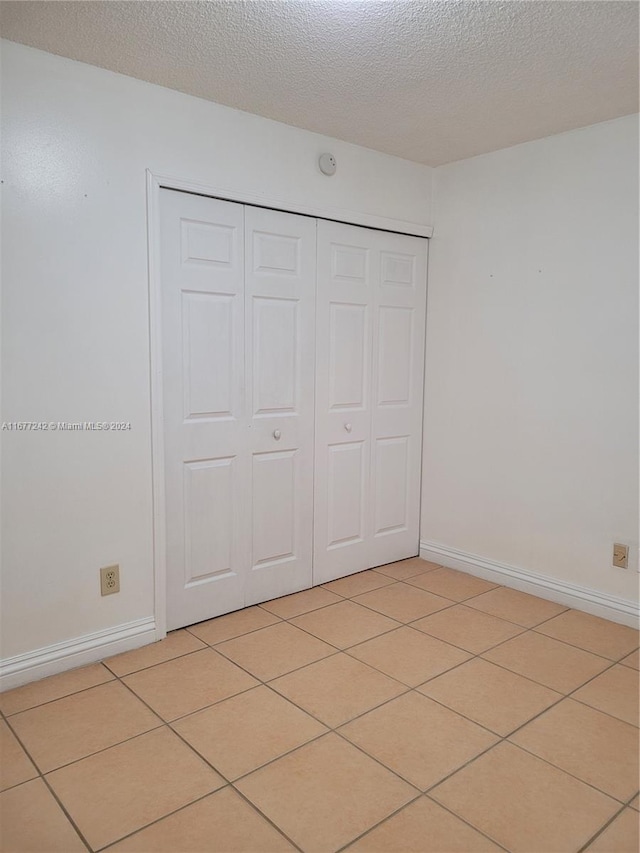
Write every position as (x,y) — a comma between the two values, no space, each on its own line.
(79,651)
(621,610)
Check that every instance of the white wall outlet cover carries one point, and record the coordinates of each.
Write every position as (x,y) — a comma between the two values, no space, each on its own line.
(327,163)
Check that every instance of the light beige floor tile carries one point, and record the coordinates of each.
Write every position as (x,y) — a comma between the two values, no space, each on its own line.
(525,804)
(490,695)
(54,687)
(15,765)
(222,822)
(325,794)
(126,787)
(189,683)
(467,628)
(32,822)
(588,744)
(273,651)
(358,583)
(449,583)
(345,624)
(409,656)
(550,662)
(600,636)
(246,731)
(78,725)
(423,827)
(418,739)
(407,568)
(403,602)
(616,692)
(337,689)
(621,836)
(233,625)
(632,660)
(515,606)
(175,644)
(301,602)
(635,803)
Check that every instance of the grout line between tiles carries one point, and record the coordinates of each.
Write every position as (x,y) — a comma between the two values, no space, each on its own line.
(231,783)
(66,813)
(568,773)
(337,648)
(189,628)
(376,825)
(273,678)
(407,805)
(464,820)
(267,818)
(159,663)
(378,569)
(155,728)
(157,820)
(574,646)
(50,789)
(350,720)
(599,710)
(204,707)
(65,696)
(601,830)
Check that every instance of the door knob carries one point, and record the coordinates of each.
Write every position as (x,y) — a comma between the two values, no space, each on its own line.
(348,427)
(277,434)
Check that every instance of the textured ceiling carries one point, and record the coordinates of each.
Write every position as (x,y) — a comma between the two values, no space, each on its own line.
(429,81)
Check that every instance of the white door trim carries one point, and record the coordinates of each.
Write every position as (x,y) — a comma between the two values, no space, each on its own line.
(155,182)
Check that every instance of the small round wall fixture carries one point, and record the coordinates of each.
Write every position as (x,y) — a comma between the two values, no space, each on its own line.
(327,163)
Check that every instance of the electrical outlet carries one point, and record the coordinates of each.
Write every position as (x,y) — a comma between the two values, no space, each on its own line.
(621,556)
(109,580)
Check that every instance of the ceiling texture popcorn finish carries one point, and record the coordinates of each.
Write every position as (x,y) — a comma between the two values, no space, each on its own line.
(431,82)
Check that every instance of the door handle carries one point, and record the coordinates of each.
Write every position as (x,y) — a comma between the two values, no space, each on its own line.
(277,434)
(348,427)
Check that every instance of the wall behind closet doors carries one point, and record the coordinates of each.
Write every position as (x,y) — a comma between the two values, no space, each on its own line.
(77,141)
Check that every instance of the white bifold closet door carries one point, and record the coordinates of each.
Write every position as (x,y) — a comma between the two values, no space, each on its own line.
(238,340)
(370,322)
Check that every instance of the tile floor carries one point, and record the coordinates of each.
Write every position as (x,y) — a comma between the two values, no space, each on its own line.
(408,708)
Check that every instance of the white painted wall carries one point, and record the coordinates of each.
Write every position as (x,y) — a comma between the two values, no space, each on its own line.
(531,419)
(77,141)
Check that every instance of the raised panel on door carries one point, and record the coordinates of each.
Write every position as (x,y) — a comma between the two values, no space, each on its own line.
(207,339)
(394,345)
(280,252)
(397,409)
(346,469)
(208,518)
(202,278)
(274,508)
(348,356)
(392,479)
(344,311)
